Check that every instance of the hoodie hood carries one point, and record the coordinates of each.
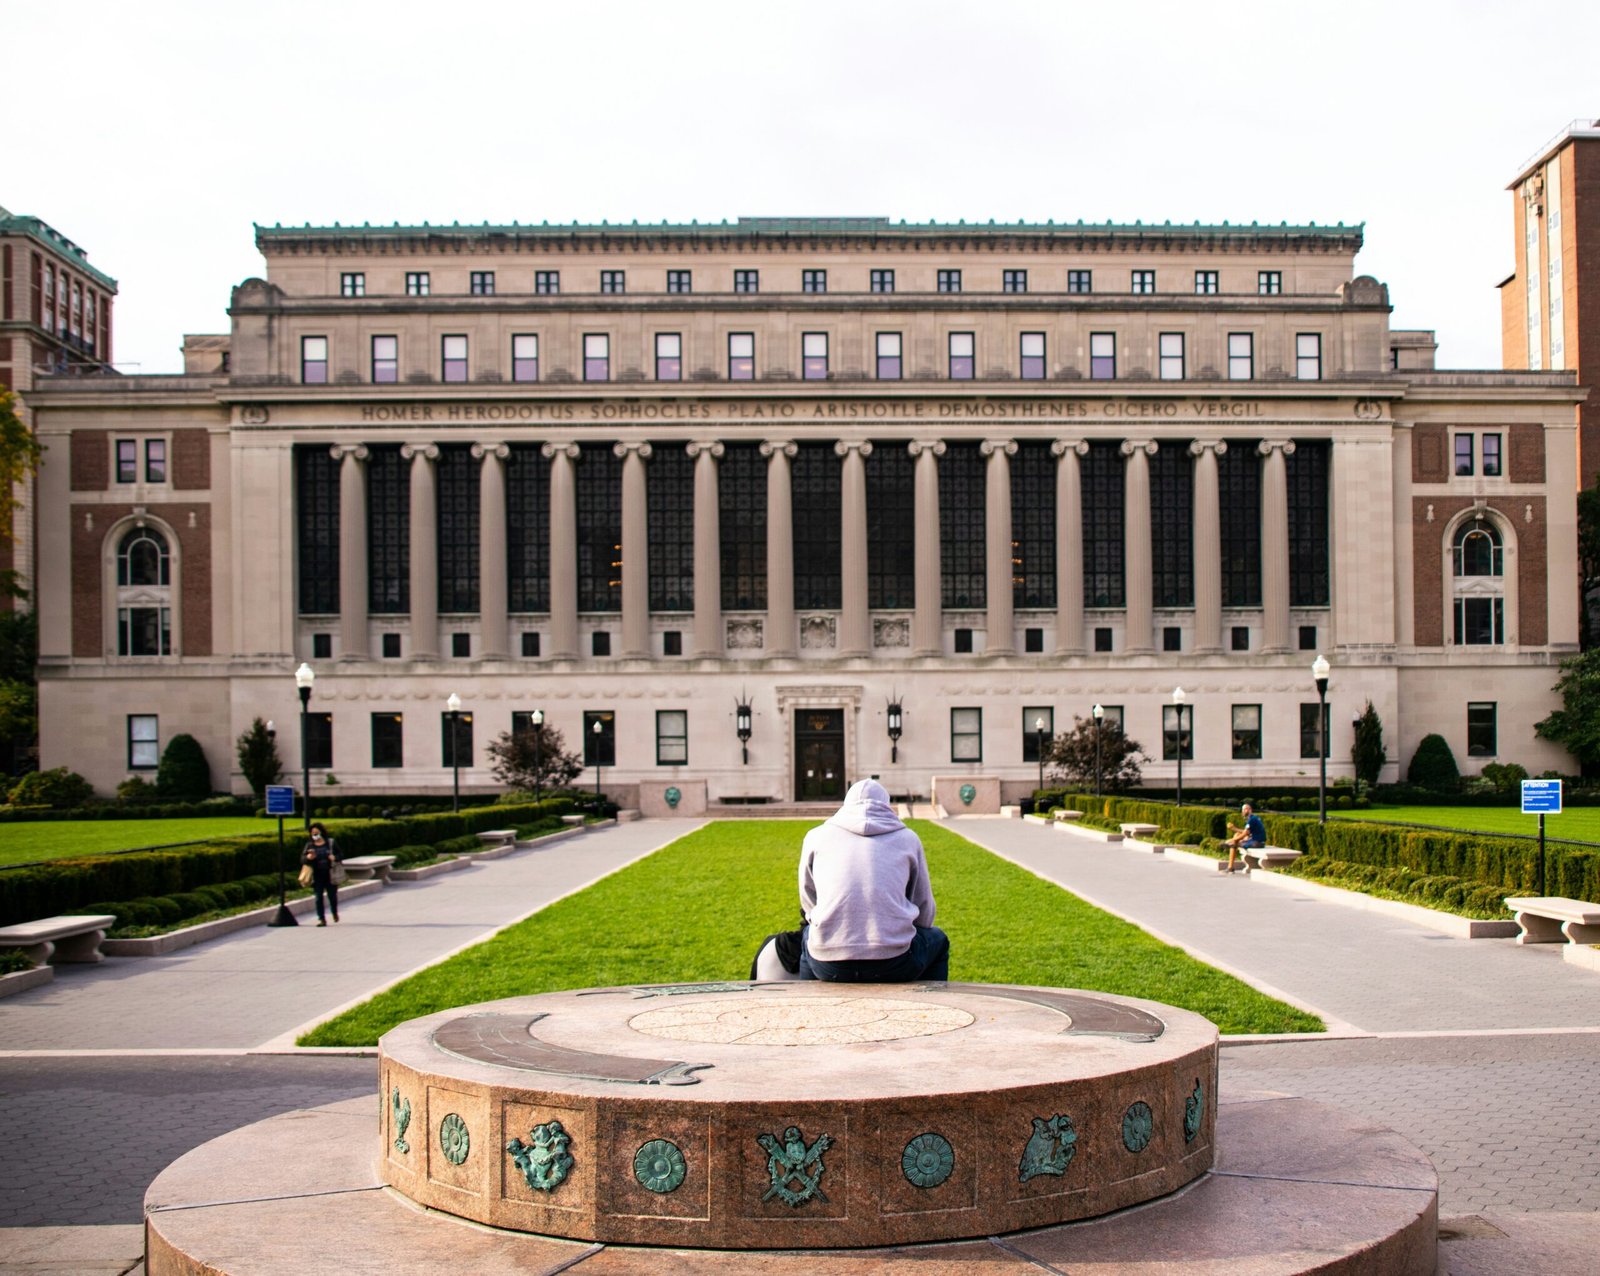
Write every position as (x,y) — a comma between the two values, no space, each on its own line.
(866,810)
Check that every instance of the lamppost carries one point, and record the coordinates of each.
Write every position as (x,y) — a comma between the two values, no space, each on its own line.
(537,718)
(1178,698)
(1319,671)
(1355,735)
(1099,712)
(742,724)
(453,704)
(598,732)
(304,680)
(895,728)
(1038,729)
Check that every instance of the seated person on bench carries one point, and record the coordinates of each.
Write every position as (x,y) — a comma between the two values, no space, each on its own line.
(1252,836)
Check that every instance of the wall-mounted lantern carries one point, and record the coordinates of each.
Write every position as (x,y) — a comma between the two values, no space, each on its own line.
(895,727)
(744,725)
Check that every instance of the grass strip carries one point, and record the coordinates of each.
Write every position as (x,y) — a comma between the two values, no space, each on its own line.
(696,911)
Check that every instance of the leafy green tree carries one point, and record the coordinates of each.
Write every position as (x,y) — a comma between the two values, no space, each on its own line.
(1433,766)
(534,759)
(1367,753)
(1071,757)
(1576,725)
(258,757)
(184,774)
(1589,566)
(19,459)
(19,698)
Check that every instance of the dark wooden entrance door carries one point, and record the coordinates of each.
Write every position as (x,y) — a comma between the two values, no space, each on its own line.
(819,755)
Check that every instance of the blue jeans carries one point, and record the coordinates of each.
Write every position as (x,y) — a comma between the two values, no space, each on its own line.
(927,958)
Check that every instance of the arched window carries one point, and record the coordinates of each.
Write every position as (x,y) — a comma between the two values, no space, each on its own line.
(144,594)
(1478,551)
(1479,586)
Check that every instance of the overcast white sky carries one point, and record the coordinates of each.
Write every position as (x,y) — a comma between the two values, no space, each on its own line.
(154,133)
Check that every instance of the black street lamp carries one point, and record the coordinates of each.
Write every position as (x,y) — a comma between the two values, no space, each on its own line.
(1038,727)
(1099,712)
(1319,671)
(1178,698)
(598,732)
(453,704)
(896,726)
(304,680)
(742,724)
(537,718)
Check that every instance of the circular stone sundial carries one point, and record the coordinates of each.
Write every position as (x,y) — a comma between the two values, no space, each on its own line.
(796,1115)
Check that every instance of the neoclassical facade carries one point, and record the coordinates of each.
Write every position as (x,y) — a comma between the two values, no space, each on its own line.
(724,502)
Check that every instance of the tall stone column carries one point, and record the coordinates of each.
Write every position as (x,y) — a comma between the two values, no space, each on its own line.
(707,550)
(927,618)
(1275,544)
(1069,545)
(635,550)
(563,550)
(354,642)
(1000,639)
(424,550)
(1207,545)
(1139,580)
(855,623)
(779,639)
(493,617)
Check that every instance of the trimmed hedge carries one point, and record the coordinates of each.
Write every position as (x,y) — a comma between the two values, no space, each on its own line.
(1454,894)
(1206,821)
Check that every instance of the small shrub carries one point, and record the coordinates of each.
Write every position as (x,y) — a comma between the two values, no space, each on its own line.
(184,775)
(13,960)
(135,789)
(1505,777)
(1433,766)
(58,788)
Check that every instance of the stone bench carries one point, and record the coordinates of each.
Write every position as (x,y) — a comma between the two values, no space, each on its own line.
(1267,857)
(494,839)
(365,866)
(72,938)
(573,820)
(1551,919)
(1144,832)
(1067,815)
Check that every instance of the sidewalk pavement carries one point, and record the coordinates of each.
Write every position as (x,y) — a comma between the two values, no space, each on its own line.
(261,986)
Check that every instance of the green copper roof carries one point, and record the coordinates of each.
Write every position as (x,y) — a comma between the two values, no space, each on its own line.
(839,226)
(37,228)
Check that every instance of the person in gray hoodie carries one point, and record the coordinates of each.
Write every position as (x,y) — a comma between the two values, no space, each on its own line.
(866,897)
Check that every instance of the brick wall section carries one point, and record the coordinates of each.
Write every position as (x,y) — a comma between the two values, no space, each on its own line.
(1429,620)
(1533,612)
(1582,301)
(1527,453)
(91,460)
(191,460)
(194,574)
(1428,453)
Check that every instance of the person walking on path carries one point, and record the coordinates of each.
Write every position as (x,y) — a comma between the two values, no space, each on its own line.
(1252,836)
(323,859)
(866,897)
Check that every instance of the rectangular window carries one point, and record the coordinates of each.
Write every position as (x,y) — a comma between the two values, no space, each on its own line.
(1142,281)
(814,356)
(1032,354)
(1080,281)
(391,646)
(144,742)
(481,283)
(144,631)
(1113,719)
(385,360)
(319,740)
(813,281)
(1102,356)
(461,646)
(1172,360)
(883,281)
(1247,731)
(1481,732)
(1176,719)
(530,646)
(127,460)
(672,642)
(1464,456)
(1102,638)
(1480,622)
(669,356)
(314,360)
(1205,281)
(596,356)
(599,738)
(1171,638)
(613,281)
(453,355)
(1308,638)
(961,642)
(1241,638)
(322,646)
(888,356)
(525,357)
(155,460)
(949,281)
(388,740)
(1037,721)
(547,283)
(1308,356)
(416,283)
(1241,356)
(672,737)
(1033,640)
(352,284)
(600,643)
(679,281)
(1014,281)
(1310,738)
(747,281)
(962,360)
(455,744)
(741,356)
(1269,283)
(1491,456)
(966,735)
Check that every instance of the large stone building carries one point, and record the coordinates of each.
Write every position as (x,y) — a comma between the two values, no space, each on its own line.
(636,476)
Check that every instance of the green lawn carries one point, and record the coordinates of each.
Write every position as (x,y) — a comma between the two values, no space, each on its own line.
(696,910)
(62,839)
(1578,823)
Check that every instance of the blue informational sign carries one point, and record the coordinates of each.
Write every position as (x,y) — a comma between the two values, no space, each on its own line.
(1541,797)
(280,799)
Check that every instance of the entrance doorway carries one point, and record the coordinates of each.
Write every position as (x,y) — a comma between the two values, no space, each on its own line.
(819,755)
